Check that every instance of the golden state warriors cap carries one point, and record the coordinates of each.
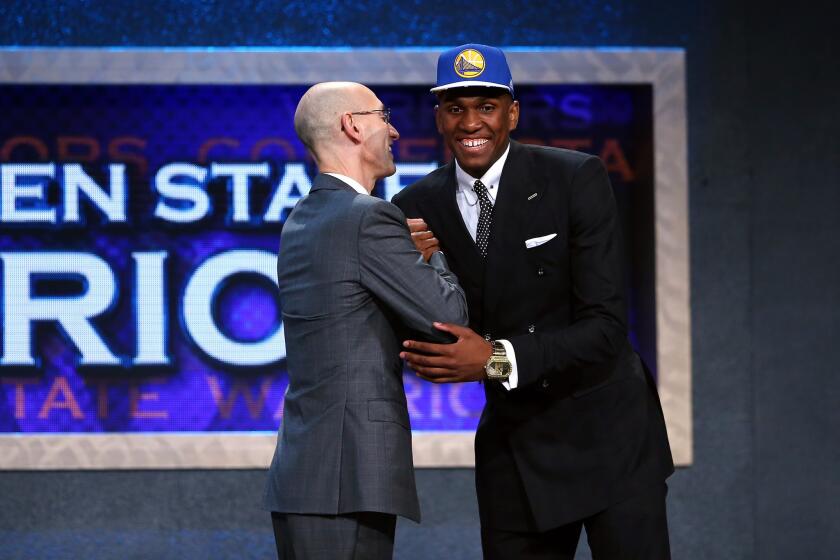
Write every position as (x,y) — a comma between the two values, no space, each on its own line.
(473,65)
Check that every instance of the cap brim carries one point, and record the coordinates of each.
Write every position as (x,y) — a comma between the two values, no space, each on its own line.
(468,83)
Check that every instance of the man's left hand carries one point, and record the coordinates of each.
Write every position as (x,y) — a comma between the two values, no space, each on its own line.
(463,360)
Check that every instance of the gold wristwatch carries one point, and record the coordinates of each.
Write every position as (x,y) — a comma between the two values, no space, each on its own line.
(498,366)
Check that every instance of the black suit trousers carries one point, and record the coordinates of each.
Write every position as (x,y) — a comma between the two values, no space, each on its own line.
(633,529)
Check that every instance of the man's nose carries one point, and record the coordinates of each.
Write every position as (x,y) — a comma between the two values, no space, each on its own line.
(393,132)
(470,121)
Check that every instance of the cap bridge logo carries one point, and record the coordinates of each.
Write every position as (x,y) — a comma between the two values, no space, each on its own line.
(469,63)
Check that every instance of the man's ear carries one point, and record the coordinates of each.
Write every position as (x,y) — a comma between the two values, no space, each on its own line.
(349,128)
(513,114)
(437,119)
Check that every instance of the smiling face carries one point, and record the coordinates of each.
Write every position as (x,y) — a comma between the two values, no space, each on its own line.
(378,135)
(475,123)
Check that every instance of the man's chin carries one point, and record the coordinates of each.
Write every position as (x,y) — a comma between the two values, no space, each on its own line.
(473,164)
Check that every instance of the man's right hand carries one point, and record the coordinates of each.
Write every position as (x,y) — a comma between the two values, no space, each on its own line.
(424,240)
(463,360)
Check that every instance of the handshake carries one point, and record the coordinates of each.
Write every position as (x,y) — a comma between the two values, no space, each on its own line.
(462,360)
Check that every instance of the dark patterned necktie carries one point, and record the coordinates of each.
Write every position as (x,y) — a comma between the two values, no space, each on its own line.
(485,215)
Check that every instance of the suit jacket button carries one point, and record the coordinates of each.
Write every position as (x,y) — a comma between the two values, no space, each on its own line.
(545,383)
(540,271)
(531,328)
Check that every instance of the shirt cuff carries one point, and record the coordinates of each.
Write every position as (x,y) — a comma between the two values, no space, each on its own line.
(513,380)
(438,261)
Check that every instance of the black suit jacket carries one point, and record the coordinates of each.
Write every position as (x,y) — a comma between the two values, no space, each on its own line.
(584,428)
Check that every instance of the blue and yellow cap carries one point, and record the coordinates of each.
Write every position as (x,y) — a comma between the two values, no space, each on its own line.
(473,65)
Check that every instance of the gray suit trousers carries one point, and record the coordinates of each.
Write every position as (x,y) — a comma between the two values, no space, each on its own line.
(352,536)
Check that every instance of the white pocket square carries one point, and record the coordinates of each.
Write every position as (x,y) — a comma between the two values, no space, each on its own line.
(537,241)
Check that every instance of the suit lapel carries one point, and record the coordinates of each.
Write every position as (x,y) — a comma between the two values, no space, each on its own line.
(447,218)
(519,194)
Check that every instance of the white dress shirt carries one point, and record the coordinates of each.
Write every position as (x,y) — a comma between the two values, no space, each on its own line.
(467,201)
(350,181)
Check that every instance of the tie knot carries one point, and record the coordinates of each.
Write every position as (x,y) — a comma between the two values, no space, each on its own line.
(479,187)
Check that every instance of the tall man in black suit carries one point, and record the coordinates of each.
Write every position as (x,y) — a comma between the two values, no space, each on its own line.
(572,434)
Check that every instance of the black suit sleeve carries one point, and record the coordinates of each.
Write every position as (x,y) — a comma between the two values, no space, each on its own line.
(598,330)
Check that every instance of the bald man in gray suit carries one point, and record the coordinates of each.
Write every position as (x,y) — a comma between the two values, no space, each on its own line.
(351,281)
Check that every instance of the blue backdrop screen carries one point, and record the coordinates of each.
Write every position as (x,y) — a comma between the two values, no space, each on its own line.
(140,225)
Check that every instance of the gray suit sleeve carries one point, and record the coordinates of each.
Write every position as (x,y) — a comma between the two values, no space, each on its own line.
(394,271)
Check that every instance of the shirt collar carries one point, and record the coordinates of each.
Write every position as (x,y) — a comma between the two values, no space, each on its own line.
(490,179)
(350,181)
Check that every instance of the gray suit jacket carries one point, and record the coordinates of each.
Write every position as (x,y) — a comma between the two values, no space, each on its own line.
(351,281)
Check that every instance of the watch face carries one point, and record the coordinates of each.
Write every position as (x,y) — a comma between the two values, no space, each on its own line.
(498,368)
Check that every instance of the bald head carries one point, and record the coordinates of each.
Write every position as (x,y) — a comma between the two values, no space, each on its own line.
(346,129)
(318,114)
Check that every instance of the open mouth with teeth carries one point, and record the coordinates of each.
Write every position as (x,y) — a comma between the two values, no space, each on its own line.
(473,143)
